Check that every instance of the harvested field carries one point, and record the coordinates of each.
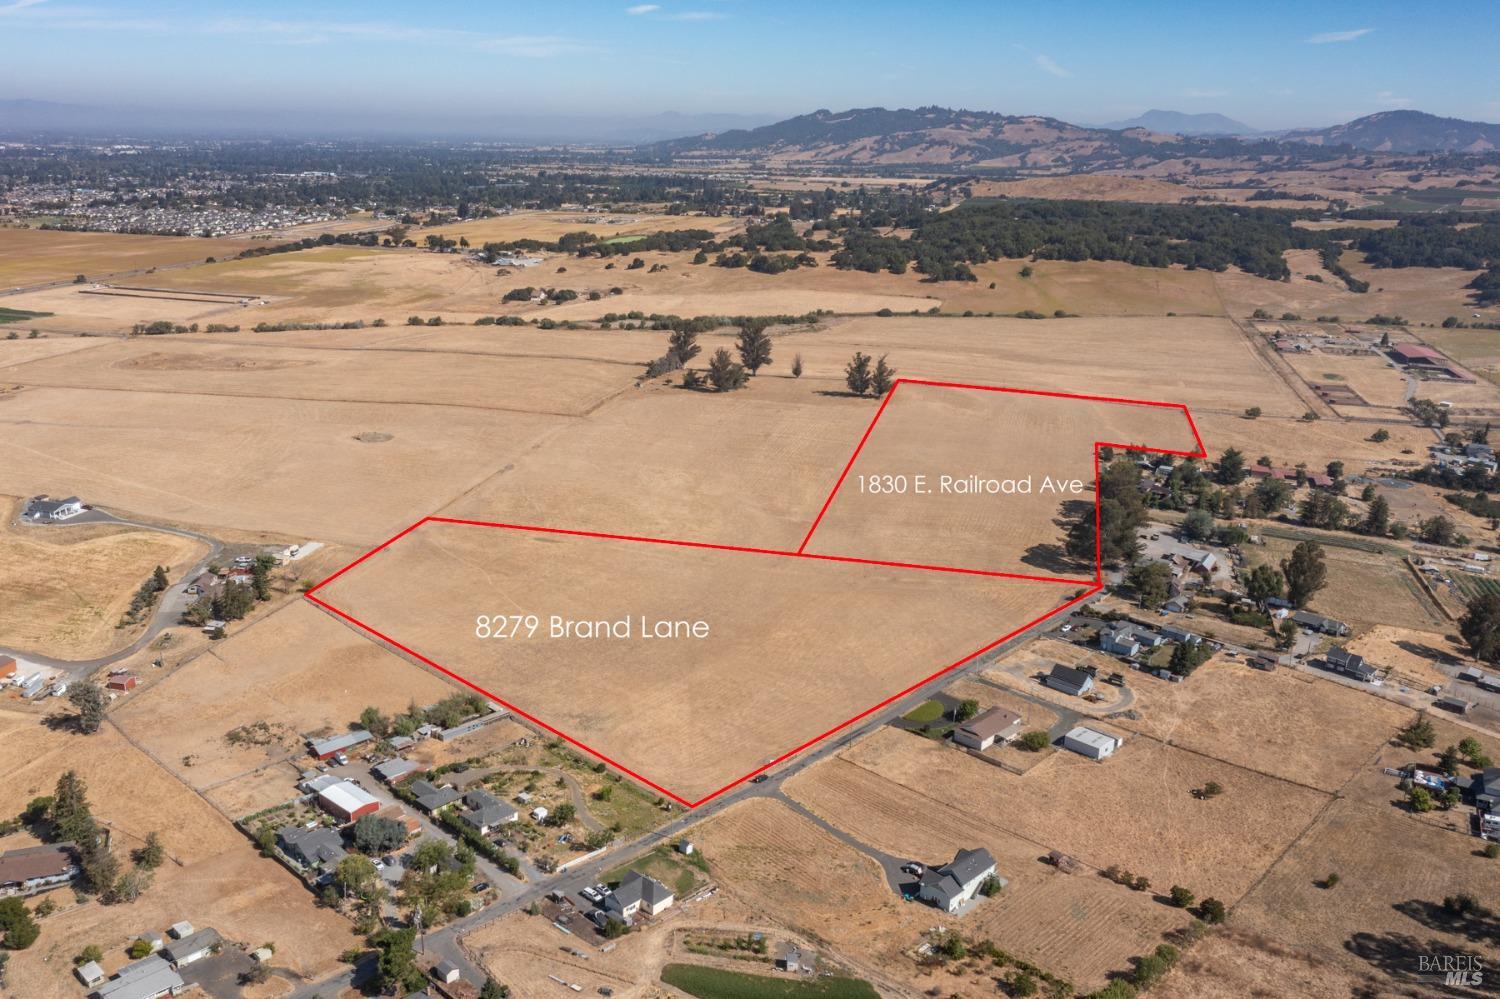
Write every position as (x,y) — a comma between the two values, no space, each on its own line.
(1387,907)
(1085,288)
(1229,964)
(933,483)
(213,876)
(257,683)
(673,709)
(17,352)
(31,256)
(1412,655)
(288,467)
(1316,442)
(289,374)
(1156,827)
(1287,724)
(547,226)
(64,588)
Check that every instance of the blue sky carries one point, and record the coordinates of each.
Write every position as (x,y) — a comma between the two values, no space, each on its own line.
(1270,64)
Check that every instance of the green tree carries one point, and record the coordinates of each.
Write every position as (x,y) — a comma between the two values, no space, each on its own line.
(1264,583)
(159,578)
(372,721)
(1198,525)
(882,378)
(857,374)
(152,853)
(17,929)
(1480,626)
(88,698)
(796,365)
(1151,582)
(1377,518)
(684,344)
(1211,910)
(724,374)
(1418,735)
(1305,572)
(967,708)
(1023,985)
(754,346)
(494,990)
(397,967)
(1420,800)
(1438,530)
(1231,467)
(355,874)
(374,835)
(72,819)
(1035,741)
(1181,897)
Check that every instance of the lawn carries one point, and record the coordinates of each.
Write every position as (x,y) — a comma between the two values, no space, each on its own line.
(16,315)
(711,983)
(924,713)
(683,874)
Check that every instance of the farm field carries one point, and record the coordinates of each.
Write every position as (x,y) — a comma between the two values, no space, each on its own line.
(1155,826)
(1387,906)
(313,470)
(1228,964)
(1377,381)
(213,877)
(284,374)
(17,352)
(32,256)
(1317,442)
(1364,589)
(64,588)
(547,226)
(243,703)
(907,498)
(663,707)
(1085,288)
(1286,723)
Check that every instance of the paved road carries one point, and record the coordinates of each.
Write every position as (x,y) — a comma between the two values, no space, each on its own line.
(168,611)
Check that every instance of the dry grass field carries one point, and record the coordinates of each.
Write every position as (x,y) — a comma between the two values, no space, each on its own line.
(1085,288)
(294,467)
(213,876)
(1316,442)
(1421,294)
(1376,379)
(1386,909)
(1146,818)
(17,352)
(1286,723)
(549,225)
(32,256)
(296,673)
(1229,964)
(678,710)
(1364,589)
(908,499)
(64,588)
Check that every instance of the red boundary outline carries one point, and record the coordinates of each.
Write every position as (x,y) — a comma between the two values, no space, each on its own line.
(1091,586)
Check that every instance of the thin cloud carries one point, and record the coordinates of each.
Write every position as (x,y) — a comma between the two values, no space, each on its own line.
(643,8)
(1338,36)
(1197,94)
(1049,65)
(695,15)
(15,5)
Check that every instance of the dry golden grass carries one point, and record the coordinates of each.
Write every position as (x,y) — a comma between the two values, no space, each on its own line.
(213,876)
(31,256)
(1287,724)
(679,711)
(1364,589)
(1086,288)
(549,225)
(1376,379)
(1394,873)
(64,588)
(1233,965)
(1145,818)
(928,435)
(267,675)
(16,352)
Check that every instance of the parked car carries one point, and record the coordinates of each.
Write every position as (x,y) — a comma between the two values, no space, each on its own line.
(760,778)
(1115,679)
(591,894)
(603,889)
(913,868)
(481,888)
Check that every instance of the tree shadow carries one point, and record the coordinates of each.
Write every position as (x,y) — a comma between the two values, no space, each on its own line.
(1480,926)
(1398,956)
(1428,652)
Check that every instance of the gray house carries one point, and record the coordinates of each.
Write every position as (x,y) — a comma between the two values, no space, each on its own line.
(431,798)
(950,886)
(1317,622)
(1119,641)
(485,812)
(1346,663)
(317,848)
(193,947)
(1069,680)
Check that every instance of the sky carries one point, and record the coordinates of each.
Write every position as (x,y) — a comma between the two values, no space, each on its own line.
(1268,64)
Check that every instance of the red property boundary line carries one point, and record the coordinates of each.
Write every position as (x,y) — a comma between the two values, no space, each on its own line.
(1091,587)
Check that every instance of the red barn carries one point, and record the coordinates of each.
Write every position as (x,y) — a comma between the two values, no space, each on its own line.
(347,801)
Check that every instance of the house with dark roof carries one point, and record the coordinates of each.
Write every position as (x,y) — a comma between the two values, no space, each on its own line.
(1486,789)
(1069,680)
(950,886)
(318,848)
(638,894)
(485,812)
(1318,622)
(395,770)
(432,799)
(191,948)
(1346,663)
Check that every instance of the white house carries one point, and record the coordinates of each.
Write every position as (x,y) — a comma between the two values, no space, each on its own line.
(49,509)
(638,893)
(1088,742)
(950,886)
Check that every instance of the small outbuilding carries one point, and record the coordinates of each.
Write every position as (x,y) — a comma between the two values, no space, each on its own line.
(1090,742)
(1069,680)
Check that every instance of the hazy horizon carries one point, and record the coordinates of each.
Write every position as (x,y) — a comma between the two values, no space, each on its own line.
(1276,67)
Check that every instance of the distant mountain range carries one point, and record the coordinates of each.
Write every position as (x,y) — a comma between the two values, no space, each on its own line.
(27,116)
(1179,123)
(1405,132)
(944,137)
